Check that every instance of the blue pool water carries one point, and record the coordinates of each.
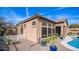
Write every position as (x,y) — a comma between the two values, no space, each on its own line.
(74,43)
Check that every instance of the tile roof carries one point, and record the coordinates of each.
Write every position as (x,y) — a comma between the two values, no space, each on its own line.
(38,15)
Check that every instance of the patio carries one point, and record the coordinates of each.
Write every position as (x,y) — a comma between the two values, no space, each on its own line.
(26,45)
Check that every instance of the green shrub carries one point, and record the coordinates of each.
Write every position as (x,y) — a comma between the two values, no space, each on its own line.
(51,39)
(71,33)
(9,41)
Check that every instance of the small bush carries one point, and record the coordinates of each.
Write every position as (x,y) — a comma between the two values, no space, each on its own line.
(71,33)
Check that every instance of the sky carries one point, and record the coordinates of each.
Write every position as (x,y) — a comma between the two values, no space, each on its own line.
(17,14)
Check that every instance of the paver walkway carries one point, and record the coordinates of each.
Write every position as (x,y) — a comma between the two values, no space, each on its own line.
(25,45)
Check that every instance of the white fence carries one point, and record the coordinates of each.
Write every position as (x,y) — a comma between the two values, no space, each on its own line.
(16,38)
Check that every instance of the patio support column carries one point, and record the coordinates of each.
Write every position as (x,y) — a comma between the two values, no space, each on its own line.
(66,30)
(47,29)
(54,31)
(62,30)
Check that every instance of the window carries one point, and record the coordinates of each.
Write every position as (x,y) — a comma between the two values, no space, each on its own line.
(24,25)
(34,23)
(21,26)
(58,30)
(44,32)
(49,24)
(21,29)
(52,25)
(49,31)
(53,32)
(44,23)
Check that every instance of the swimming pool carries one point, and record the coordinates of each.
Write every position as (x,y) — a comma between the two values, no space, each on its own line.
(74,42)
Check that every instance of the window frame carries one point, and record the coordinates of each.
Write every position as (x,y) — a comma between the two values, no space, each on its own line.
(33,23)
(22,29)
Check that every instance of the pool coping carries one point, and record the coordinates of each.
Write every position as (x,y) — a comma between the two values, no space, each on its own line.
(65,43)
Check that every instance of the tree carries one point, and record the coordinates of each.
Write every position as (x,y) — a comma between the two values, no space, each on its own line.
(10,30)
(2,26)
(6,28)
(74,26)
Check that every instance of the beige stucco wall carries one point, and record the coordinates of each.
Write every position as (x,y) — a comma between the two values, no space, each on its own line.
(21,36)
(34,32)
(30,31)
(74,30)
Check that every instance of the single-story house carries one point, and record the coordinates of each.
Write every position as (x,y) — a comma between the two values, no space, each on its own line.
(74,30)
(37,27)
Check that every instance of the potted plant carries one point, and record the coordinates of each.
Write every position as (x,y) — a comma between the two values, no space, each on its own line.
(52,40)
(43,42)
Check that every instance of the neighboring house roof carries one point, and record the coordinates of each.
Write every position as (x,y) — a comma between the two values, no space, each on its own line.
(38,15)
(73,29)
(62,20)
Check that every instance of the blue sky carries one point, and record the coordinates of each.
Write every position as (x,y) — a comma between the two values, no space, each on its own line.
(17,14)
